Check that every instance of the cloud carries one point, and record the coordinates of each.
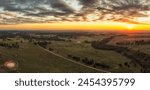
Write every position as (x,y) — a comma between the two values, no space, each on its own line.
(61,5)
(89,3)
(29,6)
(41,11)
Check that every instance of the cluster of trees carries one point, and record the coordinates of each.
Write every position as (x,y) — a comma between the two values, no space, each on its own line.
(141,58)
(8,45)
(101,65)
(42,43)
(137,42)
(89,62)
(46,38)
(74,57)
(106,40)
(128,64)
(86,41)
(51,49)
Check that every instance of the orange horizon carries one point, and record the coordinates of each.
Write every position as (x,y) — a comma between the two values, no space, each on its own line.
(79,26)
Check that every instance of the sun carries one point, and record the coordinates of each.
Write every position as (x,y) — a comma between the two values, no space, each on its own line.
(130,26)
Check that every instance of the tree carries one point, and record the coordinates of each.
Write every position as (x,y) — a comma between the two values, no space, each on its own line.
(97,64)
(126,63)
(21,41)
(120,65)
(1,54)
(76,58)
(88,61)
(50,49)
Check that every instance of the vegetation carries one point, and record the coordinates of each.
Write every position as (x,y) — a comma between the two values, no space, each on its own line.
(141,58)
(73,52)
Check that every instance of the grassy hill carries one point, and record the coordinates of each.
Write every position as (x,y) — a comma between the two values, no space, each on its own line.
(54,58)
(31,58)
(83,50)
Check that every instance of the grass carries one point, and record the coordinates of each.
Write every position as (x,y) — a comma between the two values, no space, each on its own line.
(142,48)
(83,50)
(88,38)
(134,37)
(33,59)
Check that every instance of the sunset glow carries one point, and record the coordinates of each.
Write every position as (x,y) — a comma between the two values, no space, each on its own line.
(77,26)
(75,15)
(130,26)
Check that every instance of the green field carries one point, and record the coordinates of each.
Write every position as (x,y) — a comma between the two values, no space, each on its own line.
(83,50)
(142,48)
(31,58)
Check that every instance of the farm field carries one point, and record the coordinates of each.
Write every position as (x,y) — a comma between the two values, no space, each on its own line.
(72,52)
(131,40)
(31,58)
(83,50)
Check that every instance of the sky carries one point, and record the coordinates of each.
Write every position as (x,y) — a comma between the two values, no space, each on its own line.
(74,14)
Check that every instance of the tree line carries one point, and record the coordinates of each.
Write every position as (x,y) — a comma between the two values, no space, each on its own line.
(141,58)
(136,42)
(89,62)
(9,45)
